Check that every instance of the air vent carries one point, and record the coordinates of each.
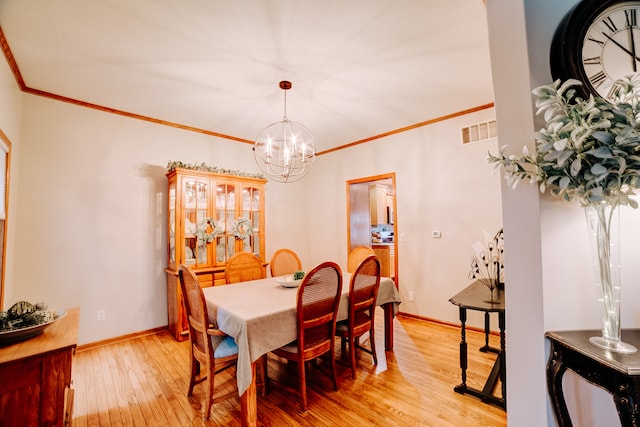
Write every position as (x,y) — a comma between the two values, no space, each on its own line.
(479,132)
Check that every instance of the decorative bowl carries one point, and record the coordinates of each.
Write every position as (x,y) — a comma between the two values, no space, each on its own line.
(287,281)
(21,334)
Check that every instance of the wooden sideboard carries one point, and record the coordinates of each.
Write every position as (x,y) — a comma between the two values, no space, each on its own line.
(35,385)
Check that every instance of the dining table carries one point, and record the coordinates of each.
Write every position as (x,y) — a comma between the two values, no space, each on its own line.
(261,316)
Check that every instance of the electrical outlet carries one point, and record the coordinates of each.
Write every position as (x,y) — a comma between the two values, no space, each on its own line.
(402,237)
(102,315)
(436,234)
(412,296)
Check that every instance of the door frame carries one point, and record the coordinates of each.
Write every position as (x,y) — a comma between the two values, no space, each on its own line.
(372,179)
(6,149)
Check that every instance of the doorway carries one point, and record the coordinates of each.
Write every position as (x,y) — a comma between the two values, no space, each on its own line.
(372,219)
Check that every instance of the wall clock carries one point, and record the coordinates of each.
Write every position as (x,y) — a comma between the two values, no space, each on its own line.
(597,42)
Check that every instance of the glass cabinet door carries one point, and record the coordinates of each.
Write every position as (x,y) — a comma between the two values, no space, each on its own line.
(225,215)
(196,226)
(171,238)
(251,211)
(213,217)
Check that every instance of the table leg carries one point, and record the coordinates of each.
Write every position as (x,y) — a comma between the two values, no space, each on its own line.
(486,332)
(503,356)
(486,348)
(492,380)
(462,388)
(388,326)
(555,371)
(627,405)
(249,402)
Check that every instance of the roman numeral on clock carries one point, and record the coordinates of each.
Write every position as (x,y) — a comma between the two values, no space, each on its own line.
(600,42)
(630,17)
(610,24)
(597,79)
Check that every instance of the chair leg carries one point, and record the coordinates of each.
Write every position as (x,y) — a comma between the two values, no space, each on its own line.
(352,354)
(302,377)
(195,370)
(209,391)
(334,371)
(372,343)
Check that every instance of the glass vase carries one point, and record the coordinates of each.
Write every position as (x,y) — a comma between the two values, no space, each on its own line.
(603,222)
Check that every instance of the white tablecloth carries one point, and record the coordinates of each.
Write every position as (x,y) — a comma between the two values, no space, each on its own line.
(261,316)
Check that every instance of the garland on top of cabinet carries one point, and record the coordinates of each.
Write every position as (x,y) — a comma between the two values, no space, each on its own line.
(203,167)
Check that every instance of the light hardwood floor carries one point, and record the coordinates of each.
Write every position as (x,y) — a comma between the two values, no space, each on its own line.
(143,382)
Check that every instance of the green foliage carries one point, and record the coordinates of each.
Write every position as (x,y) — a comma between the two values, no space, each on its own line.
(298,275)
(588,149)
(203,167)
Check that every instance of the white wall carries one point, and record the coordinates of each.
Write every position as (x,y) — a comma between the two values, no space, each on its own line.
(526,401)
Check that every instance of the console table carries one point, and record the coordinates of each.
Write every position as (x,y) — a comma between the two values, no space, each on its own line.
(474,297)
(617,373)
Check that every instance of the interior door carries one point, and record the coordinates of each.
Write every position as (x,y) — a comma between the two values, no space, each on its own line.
(359,214)
(359,227)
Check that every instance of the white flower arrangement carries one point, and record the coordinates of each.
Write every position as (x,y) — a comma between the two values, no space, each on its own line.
(242,228)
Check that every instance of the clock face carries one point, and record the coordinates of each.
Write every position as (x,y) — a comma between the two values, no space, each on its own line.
(597,42)
(611,47)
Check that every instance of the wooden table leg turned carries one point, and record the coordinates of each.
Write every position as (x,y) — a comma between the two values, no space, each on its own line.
(249,402)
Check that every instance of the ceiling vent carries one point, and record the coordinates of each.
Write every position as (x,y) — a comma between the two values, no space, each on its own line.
(479,132)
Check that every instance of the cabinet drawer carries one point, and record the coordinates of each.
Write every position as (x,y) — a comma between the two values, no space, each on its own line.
(205,279)
(218,278)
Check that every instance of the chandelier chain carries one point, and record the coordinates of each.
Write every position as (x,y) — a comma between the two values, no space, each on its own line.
(284,118)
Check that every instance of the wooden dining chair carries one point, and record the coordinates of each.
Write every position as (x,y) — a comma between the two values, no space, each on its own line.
(356,256)
(317,307)
(284,261)
(212,351)
(363,292)
(243,266)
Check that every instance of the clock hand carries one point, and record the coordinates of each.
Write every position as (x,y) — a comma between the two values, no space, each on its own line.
(633,49)
(621,47)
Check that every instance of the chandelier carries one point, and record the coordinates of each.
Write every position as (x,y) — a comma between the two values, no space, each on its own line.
(285,150)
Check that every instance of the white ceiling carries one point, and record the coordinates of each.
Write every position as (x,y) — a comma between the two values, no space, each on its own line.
(359,68)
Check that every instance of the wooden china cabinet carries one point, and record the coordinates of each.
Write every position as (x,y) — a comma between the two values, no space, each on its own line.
(211,216)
